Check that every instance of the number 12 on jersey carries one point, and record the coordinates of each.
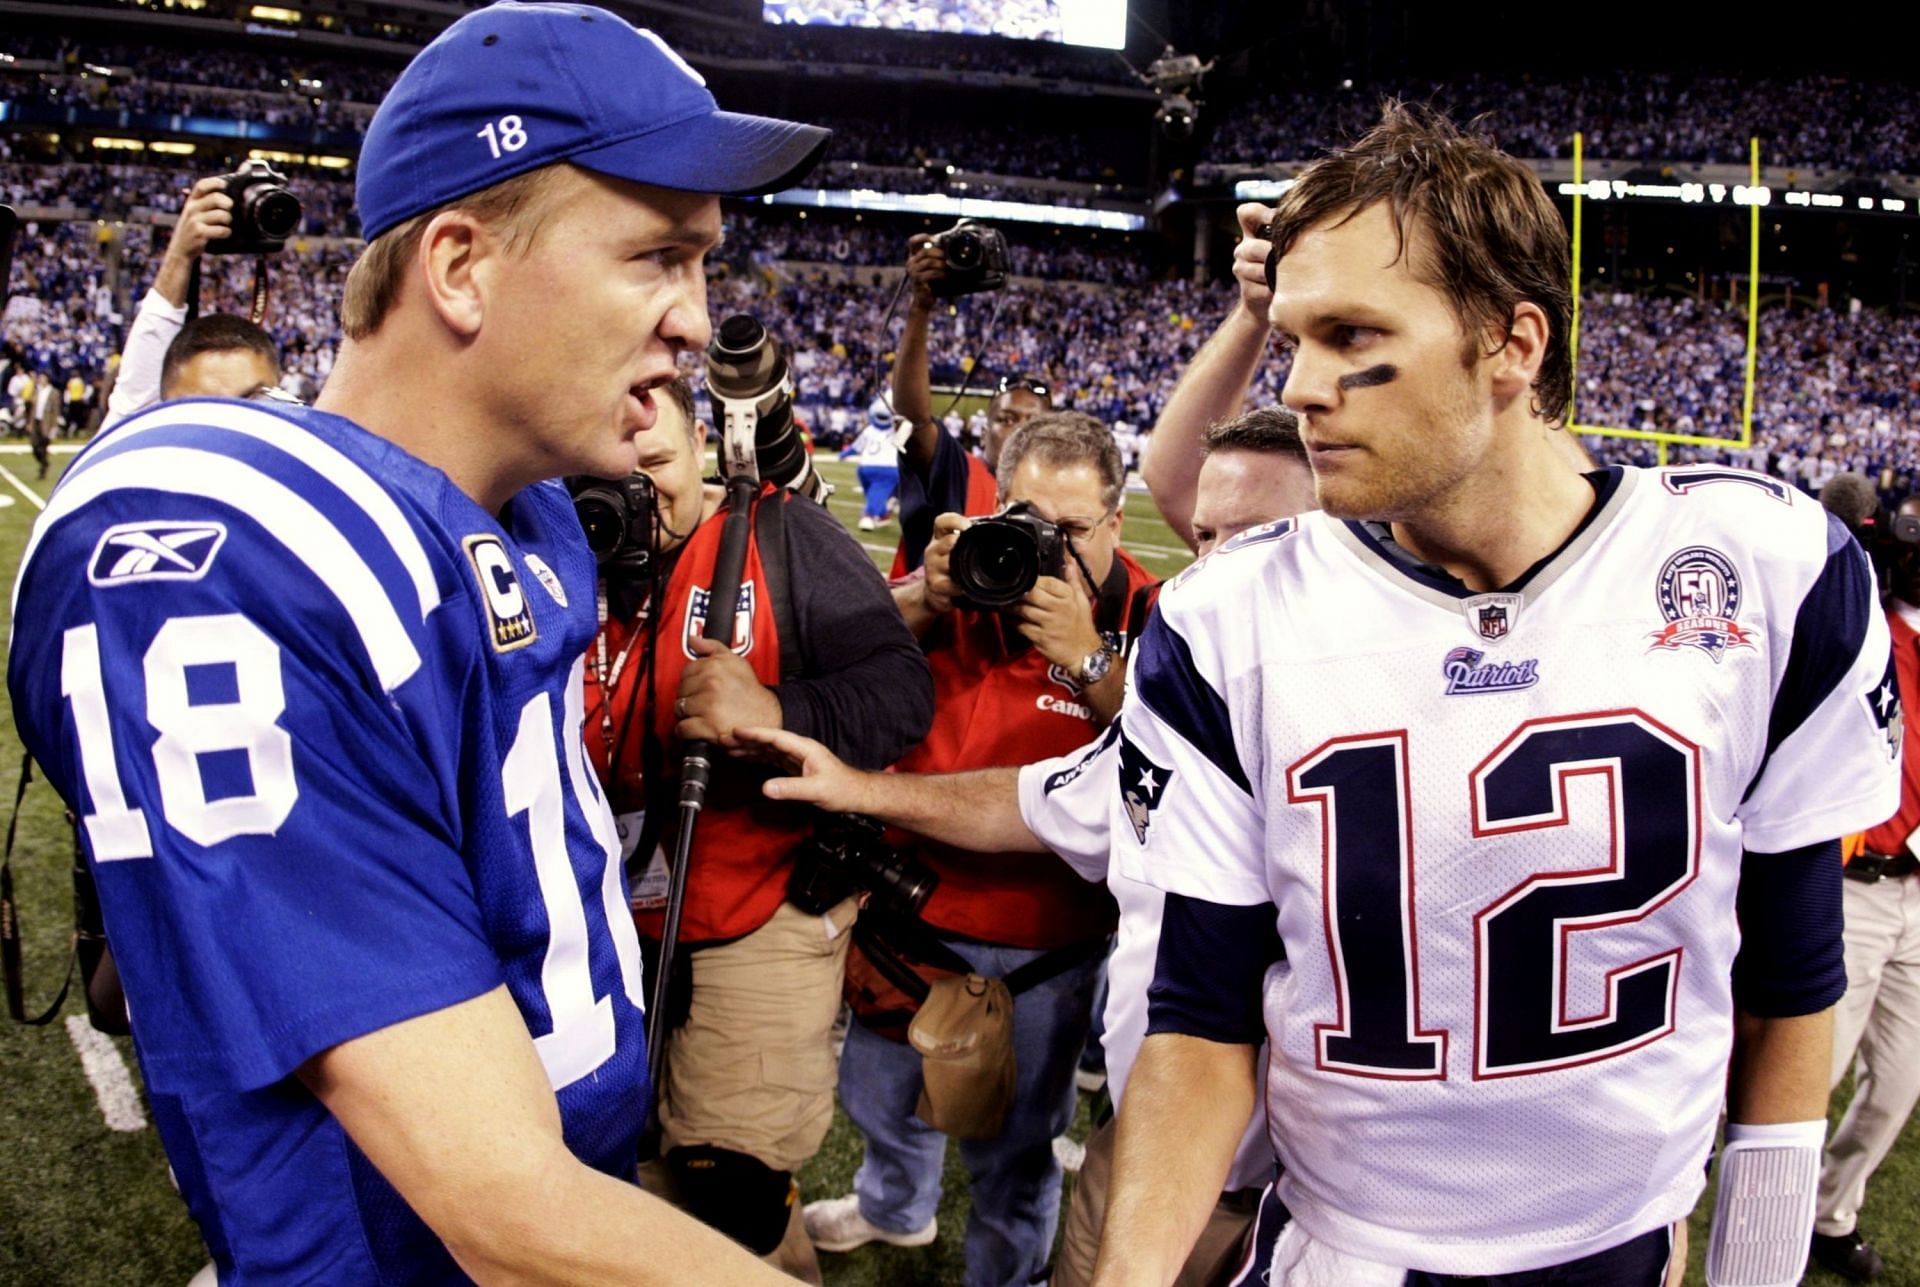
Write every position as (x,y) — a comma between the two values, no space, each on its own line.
(1522,939)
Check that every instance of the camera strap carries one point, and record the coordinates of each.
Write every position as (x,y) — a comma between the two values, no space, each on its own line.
(10,924)
(257,314)
(770,533)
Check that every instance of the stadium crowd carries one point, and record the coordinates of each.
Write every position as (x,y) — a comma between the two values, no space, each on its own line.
(1812,121)
(1835,391)
(1815,121)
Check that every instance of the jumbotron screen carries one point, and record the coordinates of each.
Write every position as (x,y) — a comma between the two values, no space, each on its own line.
(1099,23)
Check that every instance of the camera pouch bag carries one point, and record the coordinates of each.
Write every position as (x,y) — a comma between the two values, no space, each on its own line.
(964,1033)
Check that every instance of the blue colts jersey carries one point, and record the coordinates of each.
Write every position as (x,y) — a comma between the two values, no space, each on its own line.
(320,718)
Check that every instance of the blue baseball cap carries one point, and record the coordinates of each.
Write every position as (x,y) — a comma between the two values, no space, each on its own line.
(515,86)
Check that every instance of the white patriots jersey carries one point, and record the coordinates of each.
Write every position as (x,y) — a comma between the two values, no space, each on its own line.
(1065,802)
(1502,835)
(319,716)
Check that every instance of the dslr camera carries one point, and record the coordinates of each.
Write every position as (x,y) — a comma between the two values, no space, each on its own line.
(996,560)
(977,259)
(846,855)
(620,519)
(265,212)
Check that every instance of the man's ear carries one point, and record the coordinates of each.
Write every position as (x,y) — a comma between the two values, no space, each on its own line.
(700,432)
(453,261)
(1517,363)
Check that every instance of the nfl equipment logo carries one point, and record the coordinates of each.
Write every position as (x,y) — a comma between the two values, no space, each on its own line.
(697,604)
(1492,615)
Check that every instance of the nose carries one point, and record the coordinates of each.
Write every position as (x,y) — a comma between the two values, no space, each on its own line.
(687,325)
(1310,386)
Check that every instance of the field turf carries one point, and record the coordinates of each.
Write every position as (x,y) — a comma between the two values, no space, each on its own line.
(85,1205)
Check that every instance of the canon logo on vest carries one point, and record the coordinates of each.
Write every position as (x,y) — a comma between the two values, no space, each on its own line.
(1061,706)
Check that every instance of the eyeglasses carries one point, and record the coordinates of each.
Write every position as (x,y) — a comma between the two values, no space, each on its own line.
(1039,388)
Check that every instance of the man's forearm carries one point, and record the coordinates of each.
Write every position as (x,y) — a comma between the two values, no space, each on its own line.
(1186,1106)
(176,271)
(913,390)
(978,810)
(911,598)
(588,1228)
(1212,389)
(1780,1069)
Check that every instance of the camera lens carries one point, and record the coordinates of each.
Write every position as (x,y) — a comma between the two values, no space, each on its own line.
(993,565)
(603,519)
(275,212)
(963,250)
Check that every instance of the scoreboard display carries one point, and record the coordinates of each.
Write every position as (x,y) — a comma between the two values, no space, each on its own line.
(1101,24)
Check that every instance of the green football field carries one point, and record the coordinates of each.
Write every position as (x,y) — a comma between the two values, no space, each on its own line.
(84,1196)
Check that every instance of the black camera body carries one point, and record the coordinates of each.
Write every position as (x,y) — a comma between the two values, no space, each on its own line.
(996,560)
(847,855)
(977,259)
(620,518)
(265,212)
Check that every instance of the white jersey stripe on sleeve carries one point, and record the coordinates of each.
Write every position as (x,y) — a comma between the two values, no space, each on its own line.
(358,485)
(277,509)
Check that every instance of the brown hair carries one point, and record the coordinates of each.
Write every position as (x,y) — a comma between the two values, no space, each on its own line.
(514,207)
(1492,238)
(1275,430)
(1064,439)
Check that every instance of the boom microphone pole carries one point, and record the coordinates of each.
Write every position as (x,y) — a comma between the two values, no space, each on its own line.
(738,461)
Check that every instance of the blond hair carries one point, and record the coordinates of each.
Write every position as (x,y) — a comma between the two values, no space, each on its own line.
(514,208)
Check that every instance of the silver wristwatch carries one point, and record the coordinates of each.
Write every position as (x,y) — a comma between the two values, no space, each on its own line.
(1095,666)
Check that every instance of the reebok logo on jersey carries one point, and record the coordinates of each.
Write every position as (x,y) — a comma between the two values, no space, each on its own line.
(1071,774)
(1466,674)
(1699,595)
(157,551)
(508,613)
(742,619)
(1143,784)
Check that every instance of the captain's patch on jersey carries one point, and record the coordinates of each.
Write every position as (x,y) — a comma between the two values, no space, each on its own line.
(157,551)
(545,576)
(508,612)
(1699,595)
(697,604)
(1143,784)
(1883,704)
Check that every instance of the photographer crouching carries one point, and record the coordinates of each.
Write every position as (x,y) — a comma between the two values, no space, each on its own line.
(1024,617)
(746,1091)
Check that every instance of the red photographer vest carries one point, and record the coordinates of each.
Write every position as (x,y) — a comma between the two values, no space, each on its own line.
(994,705)
(739,865)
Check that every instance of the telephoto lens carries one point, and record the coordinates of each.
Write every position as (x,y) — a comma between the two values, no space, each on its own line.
(746,370)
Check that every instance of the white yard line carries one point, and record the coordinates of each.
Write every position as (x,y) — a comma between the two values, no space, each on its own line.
(112,1083)
(33,497)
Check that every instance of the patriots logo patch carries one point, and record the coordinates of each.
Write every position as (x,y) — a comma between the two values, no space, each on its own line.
(157,551)
(1143,784)
(1883,705)
(1699,595)
(509,615)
